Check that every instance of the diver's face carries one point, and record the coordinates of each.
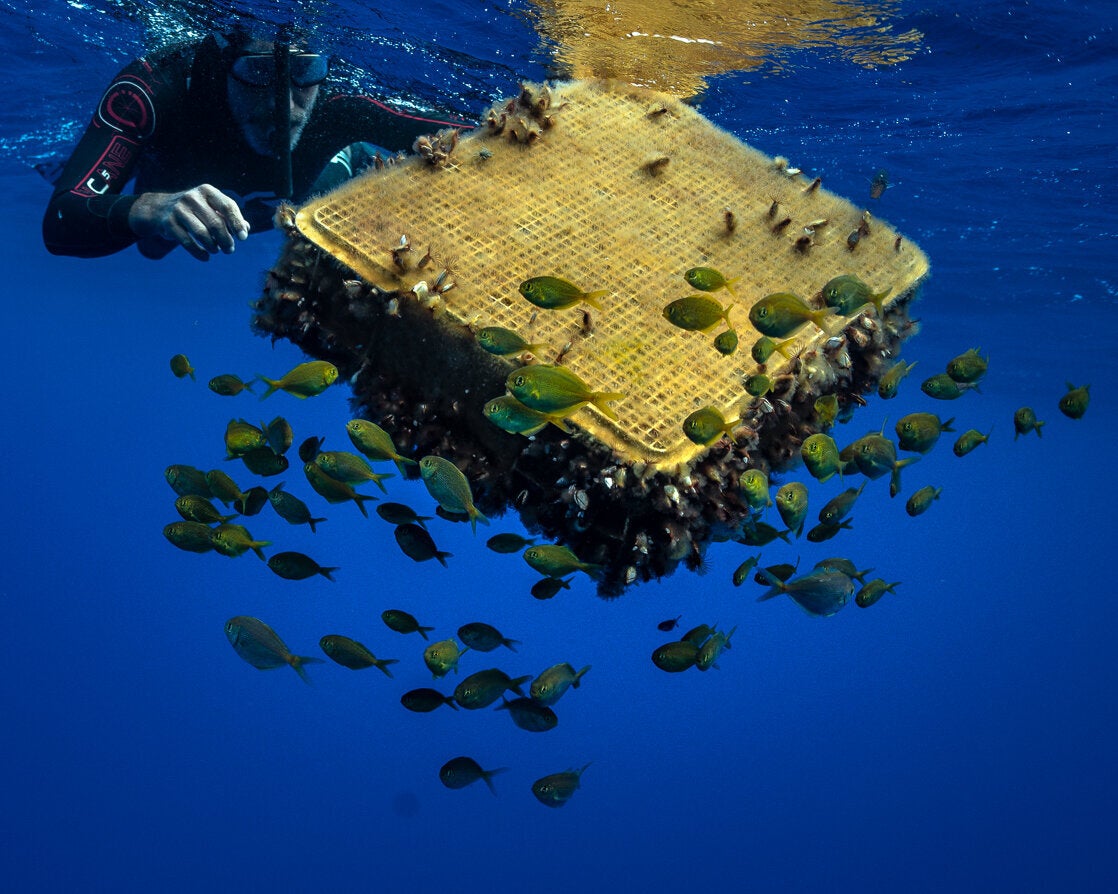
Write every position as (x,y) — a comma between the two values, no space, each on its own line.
(253,105)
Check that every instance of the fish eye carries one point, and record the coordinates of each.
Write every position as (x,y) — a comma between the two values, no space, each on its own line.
(518,381)
(762,312)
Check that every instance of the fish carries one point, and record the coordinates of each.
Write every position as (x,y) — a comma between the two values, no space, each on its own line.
(241,437)
(504,342)
(712,649)
(707,279)
(845,566)
(191,536)
(181,367)
(265,461)
(698,635)
(417,544)
(669,625)
(442,657)
(400,514)
(481,688)
(553,293)
(350,468)
(259,645)
(458,772)
(424,700)
(782,570)
(791,504)
(334,491)
(223,488)
(252,501)
(968,367)
(696,313)
(846,293)
(968,440)
(1074,403)
(706,425)
(555,389)
(187,481)
(198,509)
(875,455)
(918,432)
(942,387)
(375,443)
(229,385)
(921,500)
(826,410)
(292,565)
(822,592)
(510,415)
(825,530)
(529,715)
(509,543)
(820,454)
(1025,421)
(754,487)
(402,622)
(555,560)
(725,343)
(759,533)
(741,573)
(310,447)
(483,637)
(758,385)
(675,657)
(764,348)
(782,313)
(839,506)
(556,789)
(873,591)
(303,381)
(291,509)
(354,655)
(547,587)
(552,683)
(890,382)
(879,183)
(450,489)
(279,435)
(235,540)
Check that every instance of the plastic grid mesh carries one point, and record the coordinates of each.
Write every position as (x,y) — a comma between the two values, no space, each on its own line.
(581,203)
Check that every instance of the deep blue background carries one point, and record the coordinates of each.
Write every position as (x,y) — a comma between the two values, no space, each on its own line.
(958,736)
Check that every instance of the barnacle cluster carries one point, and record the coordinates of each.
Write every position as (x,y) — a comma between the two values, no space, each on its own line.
(436,149)
(525,116)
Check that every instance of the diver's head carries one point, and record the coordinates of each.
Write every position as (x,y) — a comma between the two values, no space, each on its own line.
(252,88)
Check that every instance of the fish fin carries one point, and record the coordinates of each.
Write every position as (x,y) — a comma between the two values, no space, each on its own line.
(558,421)
(259,549)
(599,399)
(313,521)
(486,777)
(328,572)
(378,477)
(442,556)
(578,676)
(382,665)
(514,685)
(297,662)
(477,516)
(946,426)
(273,385)
(422,631)
(361,500)
(591,298)
(510,644)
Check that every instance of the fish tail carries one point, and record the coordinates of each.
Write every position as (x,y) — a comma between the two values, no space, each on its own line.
(477,516)
(946,426)
(297,662)
(422,631)
(273,385)
(402,461)
(600,398)
(377,479)
(878,300)
(1037,428)
(382,665)
(258,548)
(591,298)
(510,644)
(328,573)
(361,500)
(559,422)
(442,556)
(780,348)
(313,521)
(730,286)
(487,777)
(578,676)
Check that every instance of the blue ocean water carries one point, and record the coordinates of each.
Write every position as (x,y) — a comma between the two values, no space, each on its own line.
(960,735)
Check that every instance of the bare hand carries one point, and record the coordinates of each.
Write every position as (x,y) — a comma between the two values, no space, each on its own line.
(203,220)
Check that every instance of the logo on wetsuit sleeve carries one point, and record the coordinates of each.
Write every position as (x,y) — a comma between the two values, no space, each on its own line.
(111,170)
(127,107)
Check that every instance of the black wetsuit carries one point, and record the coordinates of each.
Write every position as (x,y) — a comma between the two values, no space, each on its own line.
(166,122)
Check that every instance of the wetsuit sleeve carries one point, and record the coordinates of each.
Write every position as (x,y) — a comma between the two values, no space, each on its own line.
(87,215)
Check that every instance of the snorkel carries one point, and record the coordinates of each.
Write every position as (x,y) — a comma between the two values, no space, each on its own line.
(282,109)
